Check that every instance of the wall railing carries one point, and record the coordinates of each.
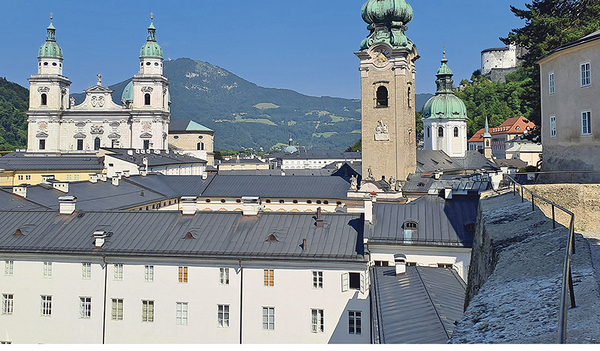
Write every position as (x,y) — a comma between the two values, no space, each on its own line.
(567,280)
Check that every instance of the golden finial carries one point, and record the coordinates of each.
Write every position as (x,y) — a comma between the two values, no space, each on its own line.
(444,52)
(50,16)
(151,16)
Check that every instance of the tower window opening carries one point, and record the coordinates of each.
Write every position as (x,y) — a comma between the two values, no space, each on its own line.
(200,146)
(45,63)
(146,144)
(382,96)
(44,99)
(42,144)
(428,132)
(408,97)
(97,143)
(79,144)
(441,132)
(456,132)
(147,99)
(53,63)
(147,63)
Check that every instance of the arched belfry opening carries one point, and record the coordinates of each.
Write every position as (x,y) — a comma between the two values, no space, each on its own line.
(147,99)
(382,97)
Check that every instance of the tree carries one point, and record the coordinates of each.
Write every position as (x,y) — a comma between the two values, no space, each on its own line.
(548,25)
(356,147)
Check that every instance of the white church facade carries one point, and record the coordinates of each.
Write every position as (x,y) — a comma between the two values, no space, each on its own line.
(56,124)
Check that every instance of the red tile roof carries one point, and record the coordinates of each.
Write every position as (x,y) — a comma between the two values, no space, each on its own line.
(514,125)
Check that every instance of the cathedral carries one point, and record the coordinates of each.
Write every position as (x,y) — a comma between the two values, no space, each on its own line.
(56,124)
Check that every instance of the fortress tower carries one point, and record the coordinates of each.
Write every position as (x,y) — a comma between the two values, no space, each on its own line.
(387,72)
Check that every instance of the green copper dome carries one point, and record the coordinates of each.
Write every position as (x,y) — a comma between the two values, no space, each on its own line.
(151,48)
(444,104)
(50,48)
(387,21)
(127,92)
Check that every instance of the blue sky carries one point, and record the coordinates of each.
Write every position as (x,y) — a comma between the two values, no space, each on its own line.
(306,46)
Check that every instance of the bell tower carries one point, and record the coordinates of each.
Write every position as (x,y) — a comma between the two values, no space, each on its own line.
(387,80)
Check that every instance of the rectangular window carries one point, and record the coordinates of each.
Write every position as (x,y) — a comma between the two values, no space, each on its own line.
(354,322)
(317,279)
(76,177)
(586,74)
(7,303)
(42,144)
(223,316)
(551,83)
(85,307)
(183,274)
(147,311)
(46,306)
(586,123)
(352,281)
(269,277)
(224,276)
(8,267)
(79,144)
(149,273)
(317,321)
(20,177)
(69,177)
(552,126)
(269,318)
(86,270)
(118,274)
(27,177)
(116,313)
(181,313)
(47,269)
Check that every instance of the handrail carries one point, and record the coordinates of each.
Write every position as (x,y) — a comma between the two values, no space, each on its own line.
(567,280)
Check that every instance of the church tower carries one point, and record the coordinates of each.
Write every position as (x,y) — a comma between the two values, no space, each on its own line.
(148,97)
(445,117)
(387,82)
(48,95)
(487,141)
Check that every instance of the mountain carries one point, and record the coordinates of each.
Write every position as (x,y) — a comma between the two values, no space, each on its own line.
(245,115)
(14,102)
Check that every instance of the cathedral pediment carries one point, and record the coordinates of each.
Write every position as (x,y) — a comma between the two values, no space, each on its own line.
(97,98)
(146,136)
(42,135)
(114,136)
(79,136)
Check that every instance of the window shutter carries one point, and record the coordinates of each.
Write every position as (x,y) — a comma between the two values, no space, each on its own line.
(345,278)
(362,283)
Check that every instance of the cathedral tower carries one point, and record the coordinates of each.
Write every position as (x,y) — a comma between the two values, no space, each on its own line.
(445,117)
(387,74)
(48,95)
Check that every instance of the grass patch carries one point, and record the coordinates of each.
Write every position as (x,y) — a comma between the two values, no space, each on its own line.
(254,120)
(336,119)
(323,135)
(265,106)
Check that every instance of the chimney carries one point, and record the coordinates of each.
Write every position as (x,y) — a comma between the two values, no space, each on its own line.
(126,173)
(304,245)
(320,221)
(93,178)
(204,175)
(61,186)
(115,180)
(400,261)
(188,205)
(102,176)
(282,173)
(20,190)
(448,193)
(100,237)
(66,204)
(47,178)
(130,152)
(369,209)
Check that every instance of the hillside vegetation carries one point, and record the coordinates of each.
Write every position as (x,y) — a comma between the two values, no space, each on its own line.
(14,102)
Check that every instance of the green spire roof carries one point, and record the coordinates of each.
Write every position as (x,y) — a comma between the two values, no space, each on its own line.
(151,48)
(387,20)
(444,104)
(50,48)
(486,133)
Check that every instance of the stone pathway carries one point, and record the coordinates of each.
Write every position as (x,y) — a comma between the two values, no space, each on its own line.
(594,239)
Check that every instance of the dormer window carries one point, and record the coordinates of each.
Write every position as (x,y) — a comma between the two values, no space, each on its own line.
(410,231)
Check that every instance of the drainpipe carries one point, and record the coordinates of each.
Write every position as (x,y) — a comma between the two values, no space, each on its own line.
(104,314)
(241,295)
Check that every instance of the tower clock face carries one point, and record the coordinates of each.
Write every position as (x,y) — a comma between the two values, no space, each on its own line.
(381,56)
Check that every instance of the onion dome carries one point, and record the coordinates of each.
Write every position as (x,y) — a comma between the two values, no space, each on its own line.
(151,48)
(387,20)
(291,148)
(127,92)
(444,104)
(50,48)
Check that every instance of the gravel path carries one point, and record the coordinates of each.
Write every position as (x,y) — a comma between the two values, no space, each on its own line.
(594,239)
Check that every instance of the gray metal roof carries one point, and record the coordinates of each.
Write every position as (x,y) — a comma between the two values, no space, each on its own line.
(440,222)
(277,172)
(278,187)
(18,161)
(319,154)
(154,159)
(243,160)
(8,201)
(172,186)
(163,233)
(419,307)
(438,160)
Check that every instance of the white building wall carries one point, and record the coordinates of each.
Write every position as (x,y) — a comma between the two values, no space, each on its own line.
(292,296)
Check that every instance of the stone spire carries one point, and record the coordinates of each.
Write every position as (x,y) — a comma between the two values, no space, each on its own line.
(487,141)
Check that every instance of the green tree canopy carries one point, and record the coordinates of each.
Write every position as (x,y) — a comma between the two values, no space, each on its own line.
(14,102)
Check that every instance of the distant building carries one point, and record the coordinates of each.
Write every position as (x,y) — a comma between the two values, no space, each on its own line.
(496,63)
(311,159)
(571,109)
(118,162)
(192,138)
(56,124)
(509,130)
(242,164)
(445,117)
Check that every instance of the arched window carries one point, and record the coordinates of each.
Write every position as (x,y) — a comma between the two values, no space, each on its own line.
(97,143)
(147,99)
(44,99)
(428,132)
(200,146)
(382,96)
(441,132)
(456,132)
(487,143)
(411,230)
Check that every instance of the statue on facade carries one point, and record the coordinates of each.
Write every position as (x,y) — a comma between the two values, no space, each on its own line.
(353,183)
(99,83)
(72,101)
(381,132)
